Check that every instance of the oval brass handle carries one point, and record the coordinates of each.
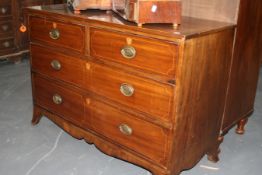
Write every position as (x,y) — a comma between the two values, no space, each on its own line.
(128,52)
(5,27)
(54,34)
(127,89)
(6,44)
(56,65)
(125,129)
(57,99)
(3,10)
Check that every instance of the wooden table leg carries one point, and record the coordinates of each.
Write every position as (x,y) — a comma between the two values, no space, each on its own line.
(241,126)
(213,154)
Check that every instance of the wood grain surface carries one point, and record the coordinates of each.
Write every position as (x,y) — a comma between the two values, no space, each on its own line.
(151,55)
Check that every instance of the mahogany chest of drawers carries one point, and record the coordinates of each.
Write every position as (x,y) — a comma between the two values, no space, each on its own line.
(153,96)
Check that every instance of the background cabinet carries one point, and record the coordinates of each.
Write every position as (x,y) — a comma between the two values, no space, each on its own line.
(247,55)
(13,43)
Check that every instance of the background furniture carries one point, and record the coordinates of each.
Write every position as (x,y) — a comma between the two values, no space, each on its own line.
(13,43)
(153,96)
(246,56)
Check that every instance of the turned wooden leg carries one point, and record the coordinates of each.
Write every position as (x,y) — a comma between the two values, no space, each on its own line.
(140,24)
(78,12)
(175,26)
(37,115)
(241,126)
(213,154)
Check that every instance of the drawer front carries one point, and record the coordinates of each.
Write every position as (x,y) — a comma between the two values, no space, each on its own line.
(59,100)
(142,94)
(6,44)
(140,136)
(5,10)
(57,34)
(6,28)
(147,54)
(54,64)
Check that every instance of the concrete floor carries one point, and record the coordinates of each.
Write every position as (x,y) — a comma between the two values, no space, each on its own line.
(47,150)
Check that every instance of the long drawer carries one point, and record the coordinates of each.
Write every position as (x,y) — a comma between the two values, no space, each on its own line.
(137,93)
(56,33)
(57,65)
(140,136)
(144,53)
(147,139)
(59,100)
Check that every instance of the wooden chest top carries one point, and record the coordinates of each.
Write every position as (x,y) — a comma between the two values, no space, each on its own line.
(189,28)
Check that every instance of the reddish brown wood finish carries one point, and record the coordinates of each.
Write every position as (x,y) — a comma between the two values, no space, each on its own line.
(167,12)
(71,67)
(148,97)
(241,126)
(70,36)
(154,11)
(173,124)
(151,55)
(72,105)
(245,66)
(213,155)
(200,95)
(146,139)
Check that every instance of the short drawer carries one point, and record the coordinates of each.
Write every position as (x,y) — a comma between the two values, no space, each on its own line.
(145,138)
(58,99)
(138,93)
(57,65)
(6,28)
(5,10)
(59,34)
(143,53)
(6,44)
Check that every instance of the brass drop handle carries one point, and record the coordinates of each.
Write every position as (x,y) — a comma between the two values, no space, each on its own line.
(6,44)
(56,65)
(54,34)
(5,27)
(128,52)
(57,99)
(127,89)
(125,129)
(3,10)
